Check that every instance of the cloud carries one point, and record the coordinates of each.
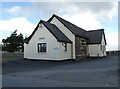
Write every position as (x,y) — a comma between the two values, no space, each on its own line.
(21,24)
(87,15)
(88,21)
(103,10)
(14,9)
(110,13)
(112,41)
(85,20)
(25,11)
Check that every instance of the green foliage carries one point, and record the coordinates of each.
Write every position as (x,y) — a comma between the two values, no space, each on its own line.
(13,43)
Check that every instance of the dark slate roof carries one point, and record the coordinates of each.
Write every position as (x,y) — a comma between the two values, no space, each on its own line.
(54,30)
(59,35)
(77,31)
(95,36)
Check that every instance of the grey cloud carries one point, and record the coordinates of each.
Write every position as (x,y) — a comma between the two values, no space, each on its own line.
(48,8)
(95,6)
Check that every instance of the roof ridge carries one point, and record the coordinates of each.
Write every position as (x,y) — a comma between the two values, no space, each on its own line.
(68,22)
(43,21)
(48,25)
(96,30)
(60,30)
(77,31)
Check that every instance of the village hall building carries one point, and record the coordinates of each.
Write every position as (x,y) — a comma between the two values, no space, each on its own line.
(58,39)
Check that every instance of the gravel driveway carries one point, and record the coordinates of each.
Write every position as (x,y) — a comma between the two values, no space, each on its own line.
(92,72)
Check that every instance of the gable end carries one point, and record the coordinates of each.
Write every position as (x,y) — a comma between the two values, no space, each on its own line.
(53,30)
(77,31)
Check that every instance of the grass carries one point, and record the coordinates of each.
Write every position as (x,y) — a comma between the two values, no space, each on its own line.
(16,56)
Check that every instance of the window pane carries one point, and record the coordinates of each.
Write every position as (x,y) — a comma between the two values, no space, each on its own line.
(65,45)
(41,47)
(44,47)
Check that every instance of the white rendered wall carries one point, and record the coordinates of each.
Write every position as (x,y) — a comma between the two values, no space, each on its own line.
(103,44)
(65,54)
(95,50)
(66,31)
(53,51)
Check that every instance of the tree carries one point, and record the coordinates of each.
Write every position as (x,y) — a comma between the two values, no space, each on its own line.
(13,43)
(20,43)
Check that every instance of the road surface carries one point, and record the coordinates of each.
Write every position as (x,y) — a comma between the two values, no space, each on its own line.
(92,72)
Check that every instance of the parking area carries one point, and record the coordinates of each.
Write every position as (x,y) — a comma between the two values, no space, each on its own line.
(91,72)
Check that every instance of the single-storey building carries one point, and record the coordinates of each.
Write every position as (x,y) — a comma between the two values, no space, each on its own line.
(58,39)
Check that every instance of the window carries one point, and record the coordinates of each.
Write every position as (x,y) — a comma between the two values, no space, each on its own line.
(65,46)
(41,47)
(101,47)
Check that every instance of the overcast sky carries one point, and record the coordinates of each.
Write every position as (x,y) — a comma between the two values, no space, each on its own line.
(24,16)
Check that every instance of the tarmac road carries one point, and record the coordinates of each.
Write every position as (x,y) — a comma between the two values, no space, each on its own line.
(92,72)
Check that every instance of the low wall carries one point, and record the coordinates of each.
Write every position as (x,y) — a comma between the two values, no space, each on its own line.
(12,56)
(111,53)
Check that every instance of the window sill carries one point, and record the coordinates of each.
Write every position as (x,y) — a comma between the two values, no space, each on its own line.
(42,53)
